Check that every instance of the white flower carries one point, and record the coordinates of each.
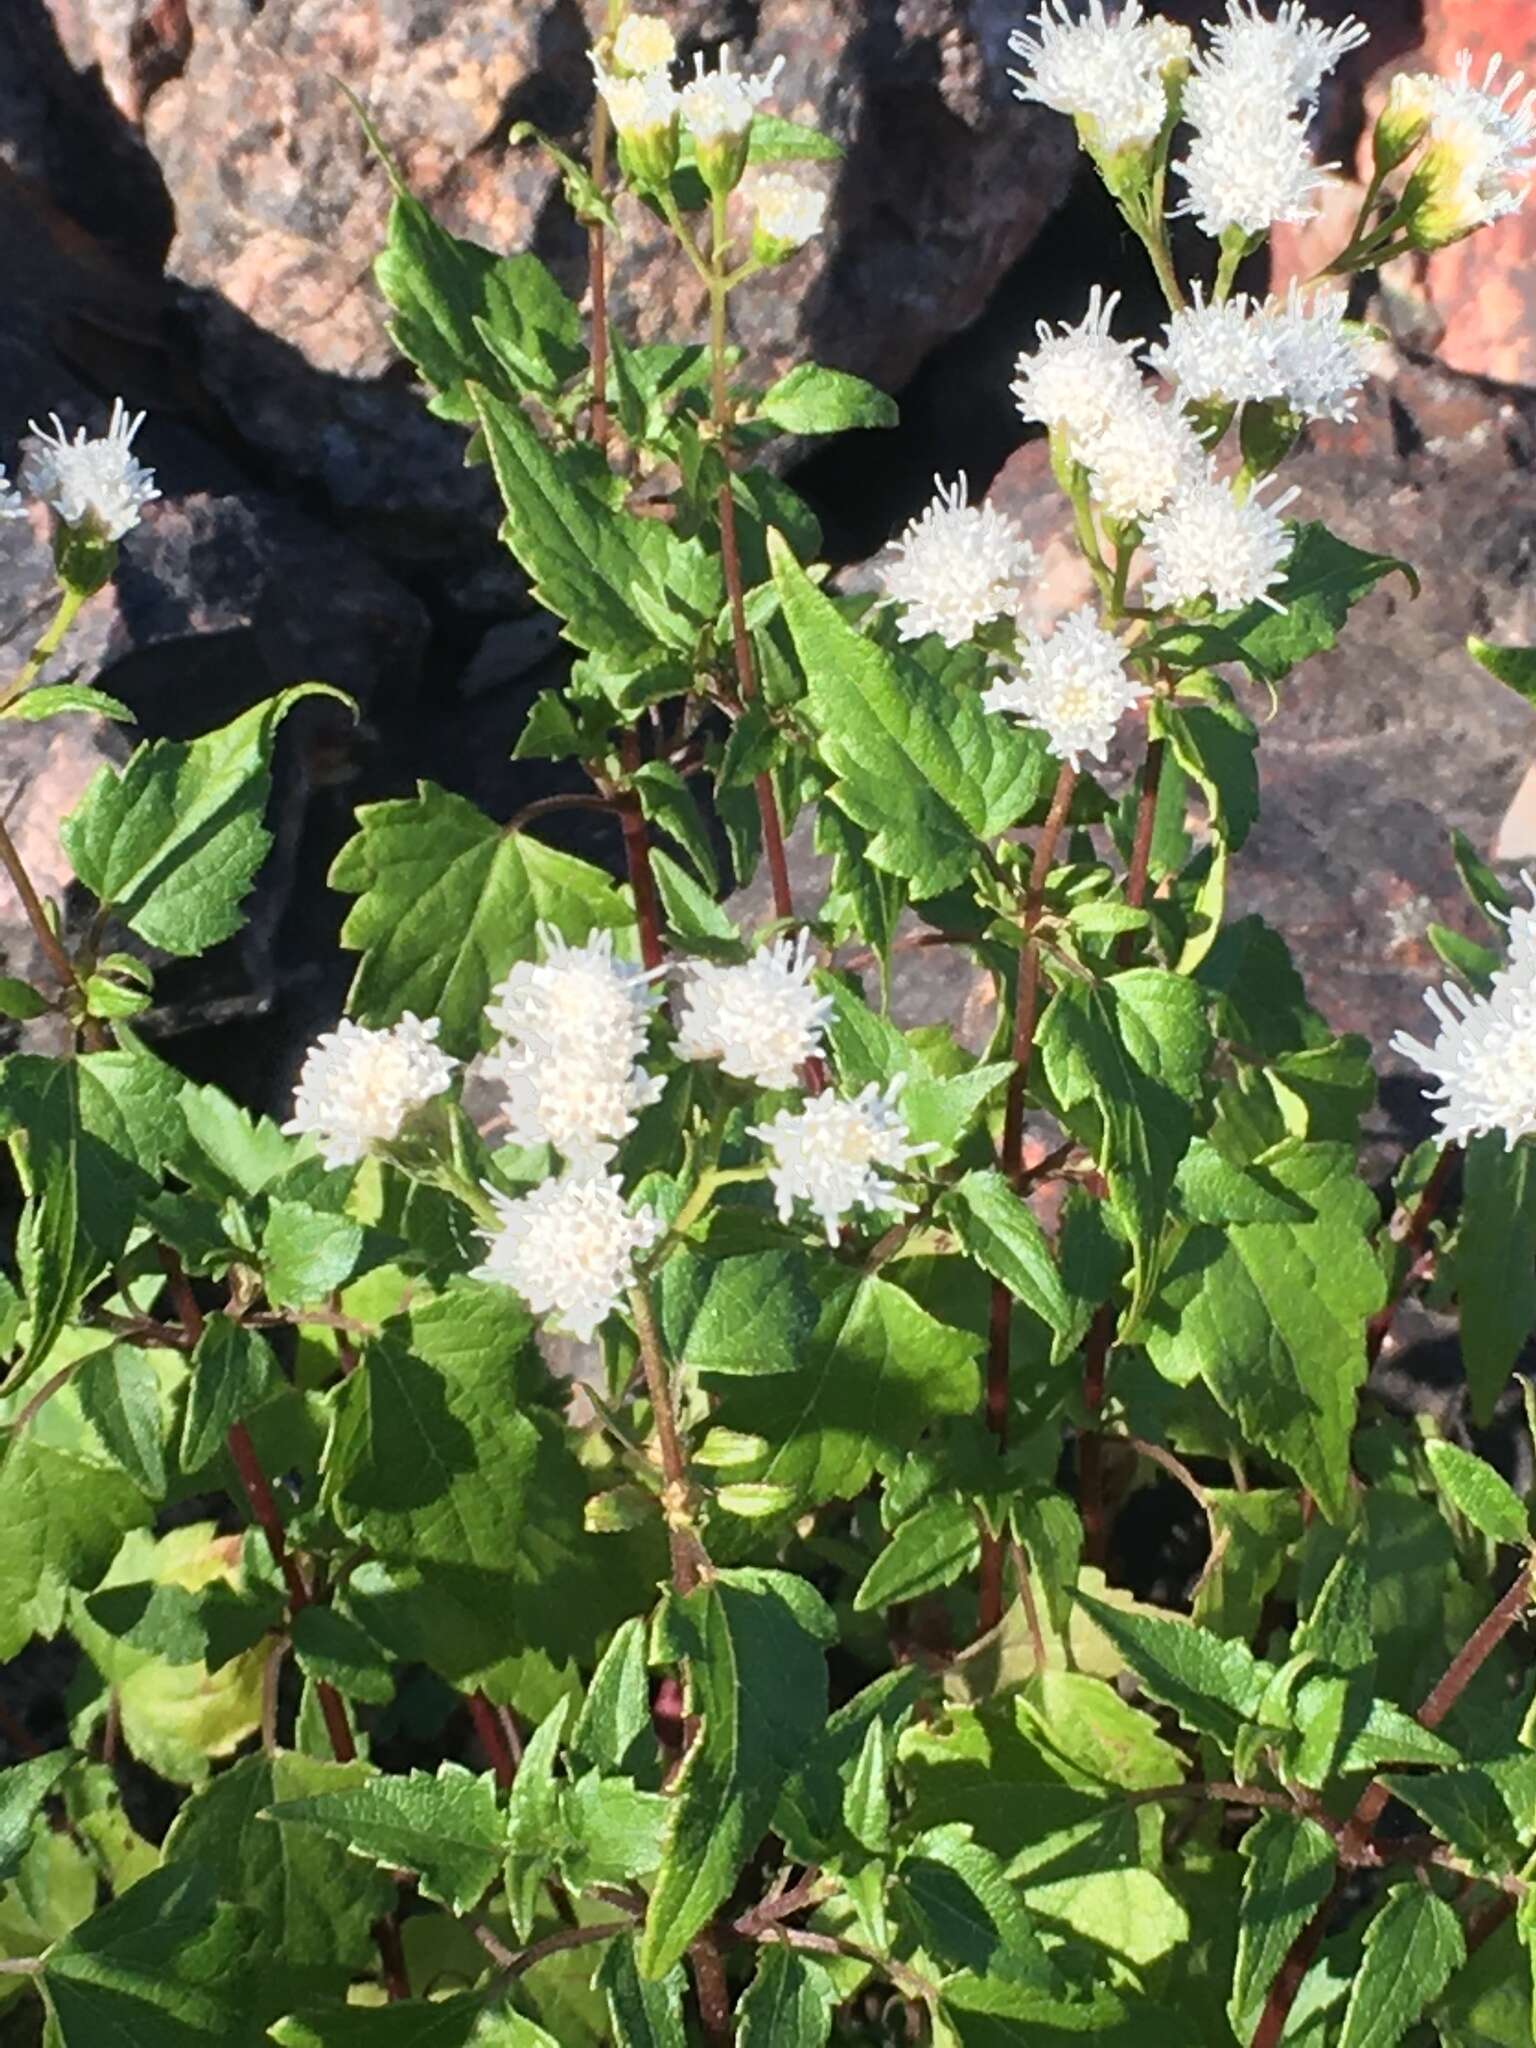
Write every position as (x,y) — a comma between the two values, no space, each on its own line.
(1073,684)
(98,485)
(1137,459)
(577,995)
(1105,71)
(1218,353)
(1319,355)
(580,1098)
(12,503)
(955,567)
(1483,1057)
(358,1087)
(1289,49)
(829,1155)
(1479,154)
(643,43)
(1522,930)
(1249,164)
(761,1021)
(719,105)
(1074,381)
(640,104)
(1207,544)
(787,209)
(569,1248)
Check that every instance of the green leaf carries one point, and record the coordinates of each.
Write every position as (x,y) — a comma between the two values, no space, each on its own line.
(21,1000)
(613,1729)
(1001,1233)
(867,1795)
(61,1521)
(173,842)
(306,1253)
(1125,1061)
(1289,1875)
(447,1829)
(49,699)
(645,2013)
(313,1903)
(918,762)
(811,400)
(625,587)
(693,916)
(1495,1264)
(1273,1316)
(753,1313)
(163,1966)
(966,1910)
(940,1110)
(757,1685)
(23,1788)
(119,1396)
(876,1372)
(234,1372)
(1471,1486)
(788,2004)
(460,2021)
(1214,1686)
(1255,1532)
(1513,666)
(447,900)
(1413,1948)
(1468,1811)
(1217,744)
(670,805)
(331,1647)
(932,1548)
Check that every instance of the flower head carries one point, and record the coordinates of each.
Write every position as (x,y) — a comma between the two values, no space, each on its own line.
(1138,458)
(1249,163)
(1521,920)
(1318,353)
(1104,70)
(1483,1057)
(956,566)
(639,103)
(643,42)
(719,105)
(1075,380)
(1289,49)
(576,995)
(568,1248)
(581,1098)
(1073,684)
(1479,154)
(787,211)
(98,486)
(762,1021)
(1207,544)
(358,1088)
(1218,353)
(829,1154)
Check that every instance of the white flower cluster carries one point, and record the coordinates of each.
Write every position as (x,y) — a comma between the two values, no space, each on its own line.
(1108,71)
(1249,98)
(570,1033)
(96,486)
(829,1155)
(1073,684)
(1301,351)
(1209,543)
(358,1088)
(1480,147)
(569,1247)
(719,105)
(762,1021)
(1484,1055)
(787,211)
(956,566)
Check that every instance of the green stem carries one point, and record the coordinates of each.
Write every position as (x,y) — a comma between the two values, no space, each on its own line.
(1232,254)
(709,1183)
(70,602)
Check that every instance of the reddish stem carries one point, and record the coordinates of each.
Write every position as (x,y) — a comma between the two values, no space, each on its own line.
(386,1935)
(637,855)
(493,1739)
(1141,847)
(1090,1445)
(1010,1158)
(37,917)
(1411,1238)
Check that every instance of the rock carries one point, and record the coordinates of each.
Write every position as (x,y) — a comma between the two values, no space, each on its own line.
(280,209)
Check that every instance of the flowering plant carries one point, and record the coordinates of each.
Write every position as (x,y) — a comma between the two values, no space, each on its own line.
(763,1671)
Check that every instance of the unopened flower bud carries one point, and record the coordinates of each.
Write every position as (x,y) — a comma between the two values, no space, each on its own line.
(1404,121)
(1441,201)
(642,43)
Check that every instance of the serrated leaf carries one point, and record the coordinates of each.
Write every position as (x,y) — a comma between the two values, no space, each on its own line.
(306,1253)
(447,1829)
(613,1729)
(1217,744)
(173,841)
(447,901)
(1515,667)
(1290,1870)
(932,1548)
(1214,1686)
(1002,1234)
(645,2013)
(21,1000)
(670,805)
(61,1521)
(1495,1264)
(876,1372)
(919,763)
(867,1795)
(234,1371)
(811,400)
(967,1912)
(940,1110)
(331,1647)
(788,2004)
(1273,1315)
(752,1313)
(757,1683)
(23,1788)
(1413,1948)
(1472,1487)
(1467,1810)
(119,1395)
(47,700)
(461,2020)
